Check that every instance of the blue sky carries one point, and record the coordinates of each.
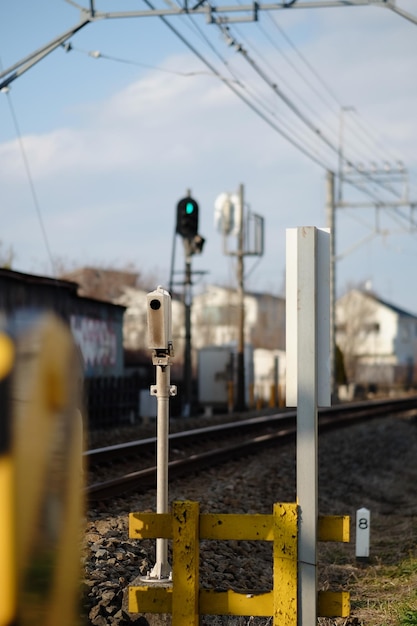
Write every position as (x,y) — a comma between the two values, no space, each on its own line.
(112,146)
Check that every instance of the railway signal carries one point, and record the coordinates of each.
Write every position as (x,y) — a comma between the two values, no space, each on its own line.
(187,227)
(197,244)
(187,218)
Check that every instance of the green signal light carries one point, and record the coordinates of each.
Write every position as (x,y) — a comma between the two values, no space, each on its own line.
(189,208)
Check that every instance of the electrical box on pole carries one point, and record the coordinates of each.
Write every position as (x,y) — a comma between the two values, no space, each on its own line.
(159,320)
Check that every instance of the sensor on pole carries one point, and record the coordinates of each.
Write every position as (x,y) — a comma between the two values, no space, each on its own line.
(159,311)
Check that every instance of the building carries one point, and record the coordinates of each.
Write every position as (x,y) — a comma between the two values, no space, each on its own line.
(215,324)
(378,340)
(100,283)
(215,314)
(95,325)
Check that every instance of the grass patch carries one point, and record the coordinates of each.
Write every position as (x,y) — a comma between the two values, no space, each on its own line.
(386,595)
(408,617)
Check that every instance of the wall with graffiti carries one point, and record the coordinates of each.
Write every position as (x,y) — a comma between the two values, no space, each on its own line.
(99,345)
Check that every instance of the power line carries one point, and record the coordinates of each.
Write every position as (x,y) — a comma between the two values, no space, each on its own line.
(96,54)
(327,89)
(92,15)
(278,91)
(239,48)
(256,109)
(293,65)
(370,133)
(272,68)
(304,59)
(241,82)
(31,184)
(243,98)
(214,71)
(259,99)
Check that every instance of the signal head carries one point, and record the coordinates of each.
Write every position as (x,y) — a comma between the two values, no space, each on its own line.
(187,218)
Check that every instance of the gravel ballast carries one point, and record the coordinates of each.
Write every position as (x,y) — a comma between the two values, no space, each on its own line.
(370,465)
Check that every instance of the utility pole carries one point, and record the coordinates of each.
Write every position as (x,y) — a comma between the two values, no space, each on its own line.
(187,374)
(240,399)
(331,219)
(389,180)
(249,230)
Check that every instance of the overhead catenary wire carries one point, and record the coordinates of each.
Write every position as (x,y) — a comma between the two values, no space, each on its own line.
(96,54)
(332,99)
(258,99)
(362,143)
(296,110)
(32,188)
(316,131)
(301,144)
(240,95)
(278,91)
(304,59)
(289,136)
(308,105)
(316,91)
(242,82)
(360,140)
(366,129)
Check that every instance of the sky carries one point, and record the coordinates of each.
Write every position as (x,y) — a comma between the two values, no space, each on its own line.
(97,150)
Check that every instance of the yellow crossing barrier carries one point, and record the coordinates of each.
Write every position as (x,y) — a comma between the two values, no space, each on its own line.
(186,527)
(40,475)
(7,481)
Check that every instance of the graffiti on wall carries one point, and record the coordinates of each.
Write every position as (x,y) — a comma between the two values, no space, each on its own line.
(96,340)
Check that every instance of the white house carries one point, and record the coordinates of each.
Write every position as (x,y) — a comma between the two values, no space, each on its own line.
(378,340)
(215,318)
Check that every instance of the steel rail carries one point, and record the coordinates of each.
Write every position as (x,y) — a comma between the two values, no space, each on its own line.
(98,456)
(121,451)
(340,416)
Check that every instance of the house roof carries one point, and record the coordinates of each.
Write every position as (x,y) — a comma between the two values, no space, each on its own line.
(11,276)
(396,309)
(38,280)
(254,294)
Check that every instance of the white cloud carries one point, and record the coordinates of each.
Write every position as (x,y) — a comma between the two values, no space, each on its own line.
(108,185)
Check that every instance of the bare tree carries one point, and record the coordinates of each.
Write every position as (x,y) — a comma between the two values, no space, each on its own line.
(106,282)
(356,324)
(7,256)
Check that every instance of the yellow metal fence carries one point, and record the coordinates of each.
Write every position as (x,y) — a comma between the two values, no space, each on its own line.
(186,527)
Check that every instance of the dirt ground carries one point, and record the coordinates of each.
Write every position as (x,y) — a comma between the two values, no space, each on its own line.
(376,469)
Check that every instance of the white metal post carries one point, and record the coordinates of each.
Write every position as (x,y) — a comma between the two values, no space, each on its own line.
(162,568)
(308,385)
(307,477)
(160,339)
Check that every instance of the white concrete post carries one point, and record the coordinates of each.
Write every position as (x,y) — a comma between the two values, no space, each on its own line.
(308,386)
(363,531)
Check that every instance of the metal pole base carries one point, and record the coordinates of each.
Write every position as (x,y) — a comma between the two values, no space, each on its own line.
(160,573)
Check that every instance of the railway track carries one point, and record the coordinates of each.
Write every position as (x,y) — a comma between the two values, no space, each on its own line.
(197,449)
